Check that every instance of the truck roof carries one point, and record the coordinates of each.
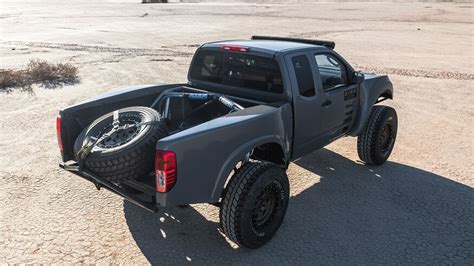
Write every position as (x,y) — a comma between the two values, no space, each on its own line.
(266,46)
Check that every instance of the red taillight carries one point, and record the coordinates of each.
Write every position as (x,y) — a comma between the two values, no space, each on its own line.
(58,132)
(235,48)
(165,170)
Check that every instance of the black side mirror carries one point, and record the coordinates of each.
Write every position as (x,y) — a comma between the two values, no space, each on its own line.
(357,77)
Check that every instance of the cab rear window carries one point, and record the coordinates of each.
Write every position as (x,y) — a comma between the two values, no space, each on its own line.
(238,70)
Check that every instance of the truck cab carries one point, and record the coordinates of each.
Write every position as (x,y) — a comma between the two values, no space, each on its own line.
(320,85)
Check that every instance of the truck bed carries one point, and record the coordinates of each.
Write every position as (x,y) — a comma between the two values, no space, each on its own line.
(207,150)
(75,118)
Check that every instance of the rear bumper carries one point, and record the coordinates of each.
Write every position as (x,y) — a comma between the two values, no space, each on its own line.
(144,202)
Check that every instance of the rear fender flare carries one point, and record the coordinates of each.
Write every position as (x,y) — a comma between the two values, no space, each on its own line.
(237,156)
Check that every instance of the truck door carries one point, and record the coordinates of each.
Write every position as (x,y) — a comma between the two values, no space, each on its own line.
(338,105)
(306,103)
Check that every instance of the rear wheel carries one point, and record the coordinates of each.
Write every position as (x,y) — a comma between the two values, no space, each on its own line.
(376,142)
(254,204)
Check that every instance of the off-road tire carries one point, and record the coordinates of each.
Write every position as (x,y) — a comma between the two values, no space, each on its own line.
(240,199)
(131,160)
(372,147)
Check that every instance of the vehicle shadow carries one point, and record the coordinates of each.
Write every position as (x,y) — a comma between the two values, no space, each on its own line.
(354,214)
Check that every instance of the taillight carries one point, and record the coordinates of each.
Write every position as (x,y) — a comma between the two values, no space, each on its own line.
(235,48)
(165,170)
(58,132)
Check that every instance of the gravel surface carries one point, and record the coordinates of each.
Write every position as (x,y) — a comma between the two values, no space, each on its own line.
(418,208)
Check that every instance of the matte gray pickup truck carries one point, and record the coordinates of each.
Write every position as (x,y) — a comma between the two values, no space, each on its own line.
(227,136)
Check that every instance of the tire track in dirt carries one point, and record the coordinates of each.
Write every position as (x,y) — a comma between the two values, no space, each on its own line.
(278,15)
(103,49)
(417,72)
(169,51)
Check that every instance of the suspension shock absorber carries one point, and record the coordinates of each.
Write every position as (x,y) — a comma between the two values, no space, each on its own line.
(229,103)
(208,96)
(198,96)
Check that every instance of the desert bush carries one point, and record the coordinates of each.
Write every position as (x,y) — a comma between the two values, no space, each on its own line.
(14,78)
(38,71)
(41,70)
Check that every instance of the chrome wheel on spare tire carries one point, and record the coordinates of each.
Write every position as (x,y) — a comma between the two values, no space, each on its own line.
(124,143)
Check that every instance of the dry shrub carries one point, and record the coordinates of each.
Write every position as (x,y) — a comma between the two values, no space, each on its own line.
(38,71)
(14,78)
(41,70)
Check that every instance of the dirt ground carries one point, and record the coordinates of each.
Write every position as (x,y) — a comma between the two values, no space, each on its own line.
(417,208)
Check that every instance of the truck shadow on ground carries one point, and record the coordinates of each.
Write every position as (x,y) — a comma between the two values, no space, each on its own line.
(354,214)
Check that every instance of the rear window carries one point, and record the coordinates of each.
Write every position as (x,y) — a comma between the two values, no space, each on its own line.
(237,69)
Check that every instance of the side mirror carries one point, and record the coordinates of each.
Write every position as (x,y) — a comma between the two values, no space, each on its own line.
(357,77)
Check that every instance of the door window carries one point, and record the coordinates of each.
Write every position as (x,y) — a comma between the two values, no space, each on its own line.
(304,75)
(331,70)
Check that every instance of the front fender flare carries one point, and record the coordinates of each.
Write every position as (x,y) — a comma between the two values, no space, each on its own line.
(370,91)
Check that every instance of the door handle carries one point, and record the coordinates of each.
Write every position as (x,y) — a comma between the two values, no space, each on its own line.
(327,102)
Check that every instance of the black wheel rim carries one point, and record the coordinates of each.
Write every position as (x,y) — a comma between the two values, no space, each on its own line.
(267,205)
(126,131)
(386,139)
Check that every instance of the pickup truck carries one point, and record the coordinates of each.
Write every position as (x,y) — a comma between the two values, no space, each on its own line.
(227,136)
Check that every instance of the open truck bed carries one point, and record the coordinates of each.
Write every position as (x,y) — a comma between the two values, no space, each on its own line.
(226,139)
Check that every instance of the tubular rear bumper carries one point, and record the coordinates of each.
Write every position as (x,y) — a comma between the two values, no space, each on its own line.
(100,182)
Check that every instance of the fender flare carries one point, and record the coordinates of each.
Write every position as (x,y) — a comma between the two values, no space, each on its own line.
(237,156)
(368,98)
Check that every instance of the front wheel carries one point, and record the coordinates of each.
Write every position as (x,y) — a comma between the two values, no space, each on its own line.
(375,143)
(254,204)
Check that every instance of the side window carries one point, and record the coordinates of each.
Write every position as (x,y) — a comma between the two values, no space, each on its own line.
(304,76)
(331,70)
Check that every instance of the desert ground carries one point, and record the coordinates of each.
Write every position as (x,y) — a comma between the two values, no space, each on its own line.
(417,208)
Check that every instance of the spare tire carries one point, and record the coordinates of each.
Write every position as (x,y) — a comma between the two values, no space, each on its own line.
(128,151)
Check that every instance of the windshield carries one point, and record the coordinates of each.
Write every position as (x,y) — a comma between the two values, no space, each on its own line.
(238,70)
